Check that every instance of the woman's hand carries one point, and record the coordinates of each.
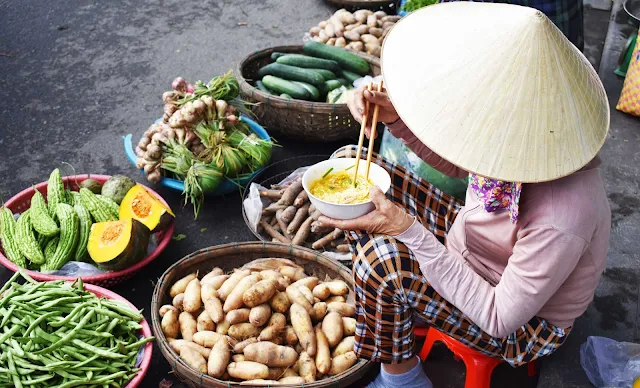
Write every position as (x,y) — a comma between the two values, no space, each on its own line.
(387,218)
(356,103)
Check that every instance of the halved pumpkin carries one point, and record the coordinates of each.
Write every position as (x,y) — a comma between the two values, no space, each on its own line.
(117,245)
(143,206)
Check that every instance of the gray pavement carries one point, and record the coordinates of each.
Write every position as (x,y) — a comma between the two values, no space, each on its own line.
(77,75)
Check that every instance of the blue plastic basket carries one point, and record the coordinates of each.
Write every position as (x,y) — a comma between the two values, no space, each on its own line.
(400,12)
(227,186)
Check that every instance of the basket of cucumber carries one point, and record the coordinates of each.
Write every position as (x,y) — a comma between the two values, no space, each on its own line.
(299,91)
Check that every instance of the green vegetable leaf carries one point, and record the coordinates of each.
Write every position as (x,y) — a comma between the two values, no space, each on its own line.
(327,173)
(413,5)
(179,237)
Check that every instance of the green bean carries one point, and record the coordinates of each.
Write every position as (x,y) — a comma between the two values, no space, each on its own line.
(7,334)
(96,350)
(7,315)
(140,343)
(12,368)
(58,301)
(70,315)
(38,321)
(48,293)
(39,380)
(124,310)
(11,280)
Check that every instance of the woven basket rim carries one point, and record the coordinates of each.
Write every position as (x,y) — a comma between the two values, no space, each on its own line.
(174,359)
(111,276)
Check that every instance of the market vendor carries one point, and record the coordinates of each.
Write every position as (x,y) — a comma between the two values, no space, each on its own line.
(499,94)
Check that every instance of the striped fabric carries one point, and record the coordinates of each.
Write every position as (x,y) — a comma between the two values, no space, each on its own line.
(391,291)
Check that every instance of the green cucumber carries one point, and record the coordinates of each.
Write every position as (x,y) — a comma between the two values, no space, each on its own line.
(285,95)
(326,74)
(262,88)
(8,237)
(26,240)
(291,73)
(69,235)
(276,55)
(345,59)
(55,192)
(281,86)
(314,93)
(84,229)
(331,84)
(40,218)
(350,76)
(307,62)
(99,211)
(344,82)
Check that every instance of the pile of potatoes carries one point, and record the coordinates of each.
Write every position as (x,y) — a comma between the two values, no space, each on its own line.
(265,323)
(362,30)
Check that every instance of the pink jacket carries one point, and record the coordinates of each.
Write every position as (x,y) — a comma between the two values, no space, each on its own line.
(502,274)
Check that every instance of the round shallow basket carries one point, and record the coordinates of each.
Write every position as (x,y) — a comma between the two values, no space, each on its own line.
(22,201)
(228,257)
(275,173)
(297,119)
(145,332)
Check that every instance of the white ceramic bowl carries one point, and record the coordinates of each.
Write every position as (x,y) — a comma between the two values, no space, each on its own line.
(377,175)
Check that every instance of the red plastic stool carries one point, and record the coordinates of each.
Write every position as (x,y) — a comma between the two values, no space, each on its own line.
(479,366)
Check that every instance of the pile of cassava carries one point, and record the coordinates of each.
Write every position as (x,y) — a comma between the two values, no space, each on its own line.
(291,219)
(362,30)
(265,323)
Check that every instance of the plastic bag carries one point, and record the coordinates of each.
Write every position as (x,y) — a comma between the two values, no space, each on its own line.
(337,96)
(609,363)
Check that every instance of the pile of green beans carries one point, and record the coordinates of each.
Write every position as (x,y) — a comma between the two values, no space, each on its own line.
(57,334)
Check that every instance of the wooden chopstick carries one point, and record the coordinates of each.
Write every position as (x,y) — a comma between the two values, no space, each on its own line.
(372,137)
(363,126)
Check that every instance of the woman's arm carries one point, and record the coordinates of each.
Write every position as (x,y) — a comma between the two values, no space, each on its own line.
(401,131)
(541,261)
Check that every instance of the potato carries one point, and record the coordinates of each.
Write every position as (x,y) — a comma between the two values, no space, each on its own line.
(293,273)
(332,328)
(346,345)
(348,326)
(307,294)
(238,316)
(373,48)
(165,308)
(270,274)
(357,46)
(213,273)
(213,306)
(361,15)
(170,325)
(181,285)
(377,32)
(387,25)
(271,333)
(330,31)
(340,42)
(309,282)
(296,296)
(342,362)
(352,26)
(204,322)
(260,315)
(192,299)
(239,347)
(363,29)
(372,21)
(336,299)
(280,302)
(234,299)
(178,344)
(241,331)
(259,293)
(321,291)
(275,373)
(390,18)
(177,301)
(323,356)
(297,380)
(259,382)
(338,26)
(299,349)
(270,354)
(366,38)
(231,283)
(290,336)
(223,327)
(248,370)
(331,41)
(307,367)
(346,310)
(380,14)
(215,281)
(322,24)
(352,35)
(322,37)
(188,325)
(193,359)
(289,373)
(319,311)
(314,31)
(207,338)
(345,16)
(301,322)
(238,358)
(277,320)
(218,359)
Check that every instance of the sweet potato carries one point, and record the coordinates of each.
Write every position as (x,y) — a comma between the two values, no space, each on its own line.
(348,326)
(218,359)
(231,283)
(300,200)
(301,322)
(207,338)
(188,325)
(170,325)
(323,357)
(298,219)
(204,322)
(291,192)
(259,293)
(294,274)
(270,354)
(303,232)
(165,308)
(346,310)
(290,336)
(346,345)
(192,299)
(332,328)
(342,362)
(234,299)
(238,316)
(177,301)
(215,281)
(181,285)
(241,331)
(319,311)
(248,370)
(260,314)
(193,359)
(239,347)
(307,368)
(178,344)
(296,296)
(321,291)
(280,302)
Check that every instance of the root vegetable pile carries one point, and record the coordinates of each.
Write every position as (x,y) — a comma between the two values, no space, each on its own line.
(362,30)
(201,139)
(291,219)
(265,323)
(58,334)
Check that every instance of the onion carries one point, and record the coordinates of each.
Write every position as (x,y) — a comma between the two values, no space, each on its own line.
(232,119)
(140,151)
(150,167)
(190,88)
(154,176)
(158,138)
(140,163)
(221,107)
(179,84)
(154,151)
(169,97)
(199,106)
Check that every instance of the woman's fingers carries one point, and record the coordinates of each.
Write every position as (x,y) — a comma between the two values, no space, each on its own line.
(360,223)
(378,98)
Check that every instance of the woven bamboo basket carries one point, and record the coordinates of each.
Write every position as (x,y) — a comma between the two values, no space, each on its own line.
(228,257)
(303,120)
(368,4)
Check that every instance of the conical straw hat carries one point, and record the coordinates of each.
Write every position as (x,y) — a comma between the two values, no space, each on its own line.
(495,89)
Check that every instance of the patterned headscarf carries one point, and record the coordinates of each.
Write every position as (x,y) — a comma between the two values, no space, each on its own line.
(496,195)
